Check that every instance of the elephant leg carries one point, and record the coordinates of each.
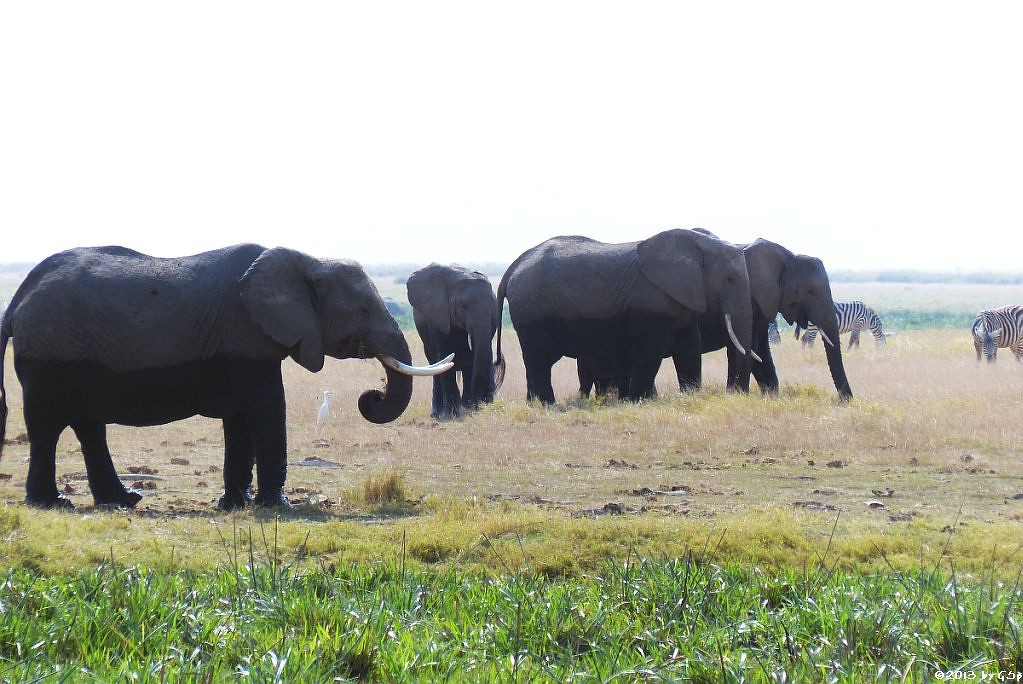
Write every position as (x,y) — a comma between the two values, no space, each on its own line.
(41,485)
(239,460)
(641,379)
(585,373)
(468,396)
(765,373)
(738,371)
(446,397)
(538,358)
(106,486)
(44,427)
(261,392)
(688,359)
(539,387)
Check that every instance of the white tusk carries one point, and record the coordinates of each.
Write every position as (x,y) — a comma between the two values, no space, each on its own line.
(731,334)
(755,357)
(825,337)
(441,366)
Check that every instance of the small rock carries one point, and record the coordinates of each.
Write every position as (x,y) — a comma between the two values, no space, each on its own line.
(874,504)
(615,463)
(838,463)
(144,469)
(177,460)
(883,493)
(814,505)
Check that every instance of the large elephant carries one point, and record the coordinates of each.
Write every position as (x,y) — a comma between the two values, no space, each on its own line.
(455,311)
(794,285)
(109,335)
(576,297)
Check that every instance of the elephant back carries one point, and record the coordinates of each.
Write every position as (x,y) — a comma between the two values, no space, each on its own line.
(575,277)
(127,311)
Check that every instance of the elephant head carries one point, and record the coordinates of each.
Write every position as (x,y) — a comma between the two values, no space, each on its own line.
(797,287)
(316,308)
(446,298)
(703,274)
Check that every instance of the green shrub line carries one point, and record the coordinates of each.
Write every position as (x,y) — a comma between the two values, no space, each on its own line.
(671,619)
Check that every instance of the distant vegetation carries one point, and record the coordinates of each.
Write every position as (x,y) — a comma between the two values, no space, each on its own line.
(978,278)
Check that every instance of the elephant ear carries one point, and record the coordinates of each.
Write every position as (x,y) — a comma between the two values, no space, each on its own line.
(767,264)
(428,295)
(673,261)
(277,293)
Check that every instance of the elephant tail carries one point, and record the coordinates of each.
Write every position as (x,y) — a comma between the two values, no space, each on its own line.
(500,364)
(4,337)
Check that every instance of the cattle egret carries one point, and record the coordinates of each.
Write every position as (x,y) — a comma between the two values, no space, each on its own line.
(324,411)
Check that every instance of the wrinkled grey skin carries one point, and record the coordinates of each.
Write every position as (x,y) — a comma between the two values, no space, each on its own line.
(794,285)
(576,297)
(455,311)
(108,335)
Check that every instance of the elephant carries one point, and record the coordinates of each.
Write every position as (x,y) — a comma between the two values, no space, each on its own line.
(795,285)
(455,311)
(109,335)
(602,374)
(577,297)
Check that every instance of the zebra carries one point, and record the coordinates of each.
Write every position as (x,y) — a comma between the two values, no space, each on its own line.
(852,317)
(999,328)
(773,336)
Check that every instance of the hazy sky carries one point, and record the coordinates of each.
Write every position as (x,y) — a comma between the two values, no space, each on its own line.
(872,134)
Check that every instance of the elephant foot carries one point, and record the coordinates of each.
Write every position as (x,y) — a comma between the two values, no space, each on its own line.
(233,500)
(126,498)
(275,499)
(59,502)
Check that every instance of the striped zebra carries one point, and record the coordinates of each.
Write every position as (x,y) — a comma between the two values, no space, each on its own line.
(999,328)
(852,317)
(773,336)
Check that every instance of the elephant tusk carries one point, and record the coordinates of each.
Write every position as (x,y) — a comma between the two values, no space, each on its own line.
(731,334)
(825,337)
(755,357)
(441,366)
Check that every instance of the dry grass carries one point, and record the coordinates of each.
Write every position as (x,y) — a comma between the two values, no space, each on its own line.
(932,435)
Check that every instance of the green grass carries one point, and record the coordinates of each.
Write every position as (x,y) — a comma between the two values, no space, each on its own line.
(258,615)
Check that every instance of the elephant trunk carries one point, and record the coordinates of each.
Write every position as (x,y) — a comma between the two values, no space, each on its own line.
(378,406)
(482,390)
(738,319)
(828,326)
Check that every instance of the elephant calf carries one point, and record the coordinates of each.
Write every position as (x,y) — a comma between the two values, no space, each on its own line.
(108,335)
(455,312)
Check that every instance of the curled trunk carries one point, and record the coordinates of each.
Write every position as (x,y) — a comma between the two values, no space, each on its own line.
(383,406)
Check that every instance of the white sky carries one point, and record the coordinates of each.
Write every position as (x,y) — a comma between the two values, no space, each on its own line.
(872,134)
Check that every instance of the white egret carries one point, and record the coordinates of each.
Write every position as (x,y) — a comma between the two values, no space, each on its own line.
(324,411)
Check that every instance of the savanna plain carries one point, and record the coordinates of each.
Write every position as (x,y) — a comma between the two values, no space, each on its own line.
(701,537)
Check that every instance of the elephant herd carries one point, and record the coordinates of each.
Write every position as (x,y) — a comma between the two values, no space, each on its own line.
(109,335)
